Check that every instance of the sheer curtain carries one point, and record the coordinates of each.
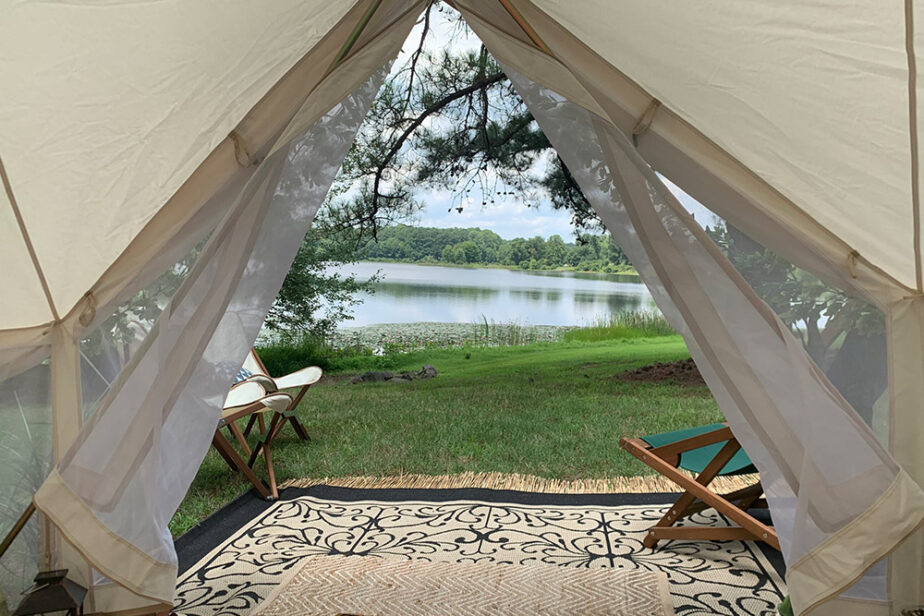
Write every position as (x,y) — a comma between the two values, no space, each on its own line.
(832,487)
(114,492)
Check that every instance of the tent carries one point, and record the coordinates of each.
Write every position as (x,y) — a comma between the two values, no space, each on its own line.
(135,134)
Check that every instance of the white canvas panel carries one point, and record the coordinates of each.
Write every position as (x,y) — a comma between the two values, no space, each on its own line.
(124,101)
(24,302)
(812,97)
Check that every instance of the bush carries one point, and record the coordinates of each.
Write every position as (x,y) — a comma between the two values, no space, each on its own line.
(289,354)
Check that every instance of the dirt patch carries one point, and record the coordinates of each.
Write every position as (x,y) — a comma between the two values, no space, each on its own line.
(682,372)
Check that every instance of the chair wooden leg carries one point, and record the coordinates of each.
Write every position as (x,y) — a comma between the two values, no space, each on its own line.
(270,471)
(744,501)
(296,425)
(299,428)
(236,431)
(743,498)
(222,452)
(237,463)
(686,499)
(697,533)
(266,436)
(250,424)
(697,489)
(266,443)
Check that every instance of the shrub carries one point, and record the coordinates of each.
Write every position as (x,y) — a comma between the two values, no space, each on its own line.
(288,354)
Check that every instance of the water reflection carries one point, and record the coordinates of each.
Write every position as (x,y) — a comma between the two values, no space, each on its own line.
(402,291)
(410,293)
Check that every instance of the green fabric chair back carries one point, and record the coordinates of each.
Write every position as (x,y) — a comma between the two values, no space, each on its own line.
(696,460)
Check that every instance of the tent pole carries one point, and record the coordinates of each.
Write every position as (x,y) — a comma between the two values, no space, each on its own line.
(524,25)
(357,31)
(17,527)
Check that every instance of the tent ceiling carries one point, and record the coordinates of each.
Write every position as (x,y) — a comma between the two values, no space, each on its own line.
(20,278)
(107,108)
(811,97)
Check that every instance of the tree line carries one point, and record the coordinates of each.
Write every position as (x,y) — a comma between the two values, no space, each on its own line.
(473,246)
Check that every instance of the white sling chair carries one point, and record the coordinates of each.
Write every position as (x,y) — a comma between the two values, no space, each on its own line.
(296,384)
(248,398)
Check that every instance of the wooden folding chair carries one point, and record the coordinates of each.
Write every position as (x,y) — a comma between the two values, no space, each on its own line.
(245,399)
(709,451)
(296,383)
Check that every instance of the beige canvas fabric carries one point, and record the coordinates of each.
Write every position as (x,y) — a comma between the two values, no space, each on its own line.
(128,153)
(821,114)
(679,149)
(164,83)
(107,534)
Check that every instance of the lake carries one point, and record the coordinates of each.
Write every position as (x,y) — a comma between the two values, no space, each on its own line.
(413,293)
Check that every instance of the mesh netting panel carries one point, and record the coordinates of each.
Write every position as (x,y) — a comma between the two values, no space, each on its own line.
(845,336)
(25,460)
(163,408)
(821,466)
(109,346)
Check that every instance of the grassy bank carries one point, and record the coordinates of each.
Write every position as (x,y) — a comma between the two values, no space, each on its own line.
(551,409)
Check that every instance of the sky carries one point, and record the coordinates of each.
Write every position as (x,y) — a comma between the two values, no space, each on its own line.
(506,217)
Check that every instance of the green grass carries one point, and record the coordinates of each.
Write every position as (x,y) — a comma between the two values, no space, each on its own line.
(621,326)
(548,409)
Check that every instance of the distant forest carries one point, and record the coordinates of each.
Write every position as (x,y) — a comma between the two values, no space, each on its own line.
(403,243)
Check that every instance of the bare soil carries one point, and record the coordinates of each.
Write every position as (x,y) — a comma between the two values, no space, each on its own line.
(682,372)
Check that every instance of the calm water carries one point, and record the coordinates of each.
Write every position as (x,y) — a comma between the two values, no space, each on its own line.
(411,293)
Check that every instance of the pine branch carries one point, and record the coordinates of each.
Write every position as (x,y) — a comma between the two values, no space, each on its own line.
(423,115)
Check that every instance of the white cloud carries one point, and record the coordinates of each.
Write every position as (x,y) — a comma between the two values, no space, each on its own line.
(507,218)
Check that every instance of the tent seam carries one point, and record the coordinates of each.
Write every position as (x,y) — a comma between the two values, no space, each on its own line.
(25,236)
(355,34)
(528,30)
(913,134)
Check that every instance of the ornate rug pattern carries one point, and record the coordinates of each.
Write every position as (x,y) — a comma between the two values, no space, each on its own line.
(727,578)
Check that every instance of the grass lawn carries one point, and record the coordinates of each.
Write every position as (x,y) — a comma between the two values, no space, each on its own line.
(547,409)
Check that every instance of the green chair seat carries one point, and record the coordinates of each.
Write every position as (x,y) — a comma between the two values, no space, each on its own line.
(696,460)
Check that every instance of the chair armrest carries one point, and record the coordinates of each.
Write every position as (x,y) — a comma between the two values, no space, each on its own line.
(277,402)
(268,384)
(243,393)
(300,378)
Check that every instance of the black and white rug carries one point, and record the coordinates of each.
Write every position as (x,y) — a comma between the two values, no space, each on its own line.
(705,577)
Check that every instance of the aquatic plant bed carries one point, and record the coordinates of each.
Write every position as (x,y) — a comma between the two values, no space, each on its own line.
(398,337)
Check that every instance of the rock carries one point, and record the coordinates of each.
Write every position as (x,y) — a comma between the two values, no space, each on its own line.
(375,376)
(427,372)
(372,376)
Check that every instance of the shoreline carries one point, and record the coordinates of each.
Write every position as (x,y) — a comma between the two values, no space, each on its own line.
(628,272)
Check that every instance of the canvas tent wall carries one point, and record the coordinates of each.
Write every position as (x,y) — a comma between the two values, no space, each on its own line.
(131,132)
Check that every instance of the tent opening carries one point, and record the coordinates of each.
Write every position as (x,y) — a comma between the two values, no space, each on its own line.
(202,207)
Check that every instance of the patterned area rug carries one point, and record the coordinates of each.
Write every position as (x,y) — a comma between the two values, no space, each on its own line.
(326,585)
(727,578)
